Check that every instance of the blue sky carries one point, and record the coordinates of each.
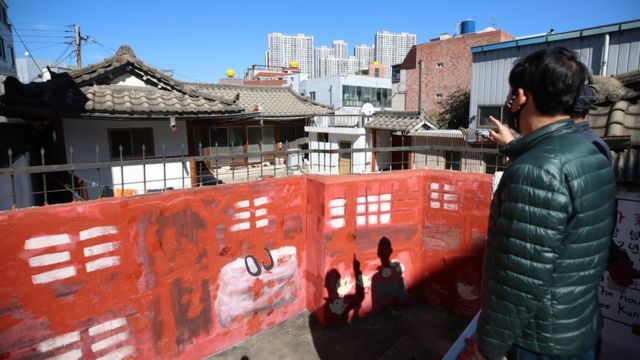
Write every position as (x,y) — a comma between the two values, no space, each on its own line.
(200,39)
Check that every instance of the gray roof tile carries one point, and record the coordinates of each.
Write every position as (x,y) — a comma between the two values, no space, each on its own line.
(276,102)
(399,120)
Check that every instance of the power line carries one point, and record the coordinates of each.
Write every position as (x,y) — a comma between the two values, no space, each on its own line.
(25,46)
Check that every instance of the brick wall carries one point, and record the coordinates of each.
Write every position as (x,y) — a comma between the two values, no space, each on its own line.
(455,56)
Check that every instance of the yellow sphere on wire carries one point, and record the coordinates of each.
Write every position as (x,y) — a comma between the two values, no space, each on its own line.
(230,73)
(293,64)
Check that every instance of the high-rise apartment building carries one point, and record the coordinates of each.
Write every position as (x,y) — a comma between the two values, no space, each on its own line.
(391,48)
(343,67)
(285,48)
(364,54)
(320,55)
(340,49)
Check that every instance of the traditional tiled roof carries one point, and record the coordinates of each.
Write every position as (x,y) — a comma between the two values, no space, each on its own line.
(275,102)
(399,121)
(87,92)
(616,118)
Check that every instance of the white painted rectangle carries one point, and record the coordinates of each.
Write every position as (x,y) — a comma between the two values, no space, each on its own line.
(53,275)
(451,197)
(102,263)
(361,209)
(385,218)
(434,186)
(69,355)
(435,195)
(49,259)
(451,207)
(448,187)
(97,231)
(242,204)
(373,198)
(261,212)
(373,219)
(40,242)
(385,197)
(260,201)
(101,248)
(361,220)
(240,226)
(337,202)
(362,199)
(386,206)
(435,205)
(337,223)
(107,326)
(118,354)
(108,342)
(336,211)
(262,223)
(373,207)
(242,215)
(59,341)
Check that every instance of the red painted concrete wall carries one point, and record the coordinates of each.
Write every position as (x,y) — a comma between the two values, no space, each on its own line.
(188,273)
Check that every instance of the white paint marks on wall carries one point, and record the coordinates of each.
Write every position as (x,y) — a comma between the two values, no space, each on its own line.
(262,223)
(334,203)
(49,259)
(97,232)
(376,207)
(247,216)
(59,341)
(101,248)
(449,199)
(242,204)
(109,342)
(53,275)
(107,326)
(102,263)
(260,201)
(261,212)
(235,297)
(434,186)
(40,242)
(118,354)
(242,215)
(240,226)
(69,355)
(337,223)
(337,213)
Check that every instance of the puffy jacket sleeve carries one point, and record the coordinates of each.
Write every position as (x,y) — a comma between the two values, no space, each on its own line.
(528,221)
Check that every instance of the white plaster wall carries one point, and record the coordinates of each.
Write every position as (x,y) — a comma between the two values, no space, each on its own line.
(328,164)
(128,80)
(23,188)
(84,135)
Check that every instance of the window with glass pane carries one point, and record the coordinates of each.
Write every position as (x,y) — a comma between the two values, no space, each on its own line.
(485,111)
(235,140)
(131,141)
(219,141)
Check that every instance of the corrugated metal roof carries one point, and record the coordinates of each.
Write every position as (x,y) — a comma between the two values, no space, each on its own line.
(558,36)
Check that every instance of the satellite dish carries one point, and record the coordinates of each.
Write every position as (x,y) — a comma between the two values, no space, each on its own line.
(367,109)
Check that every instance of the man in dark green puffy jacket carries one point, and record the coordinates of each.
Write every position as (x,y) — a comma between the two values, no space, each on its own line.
(550,223)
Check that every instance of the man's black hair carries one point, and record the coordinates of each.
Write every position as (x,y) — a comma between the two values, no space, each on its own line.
(554,77)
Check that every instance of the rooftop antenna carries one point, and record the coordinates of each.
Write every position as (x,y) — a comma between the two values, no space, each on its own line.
(492,22)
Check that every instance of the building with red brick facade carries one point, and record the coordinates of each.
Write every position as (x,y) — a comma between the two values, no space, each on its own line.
(446,67)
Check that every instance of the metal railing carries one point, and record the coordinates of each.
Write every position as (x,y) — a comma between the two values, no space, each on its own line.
(44,184)
(338,120)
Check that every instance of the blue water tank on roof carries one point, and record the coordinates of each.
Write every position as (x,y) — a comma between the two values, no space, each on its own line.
(467,27)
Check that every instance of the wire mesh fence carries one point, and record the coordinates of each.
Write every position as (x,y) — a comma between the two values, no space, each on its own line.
(28,182)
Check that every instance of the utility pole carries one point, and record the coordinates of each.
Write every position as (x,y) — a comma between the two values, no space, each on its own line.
(78,43)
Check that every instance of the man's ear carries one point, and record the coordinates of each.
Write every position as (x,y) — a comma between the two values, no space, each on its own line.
(521,97)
